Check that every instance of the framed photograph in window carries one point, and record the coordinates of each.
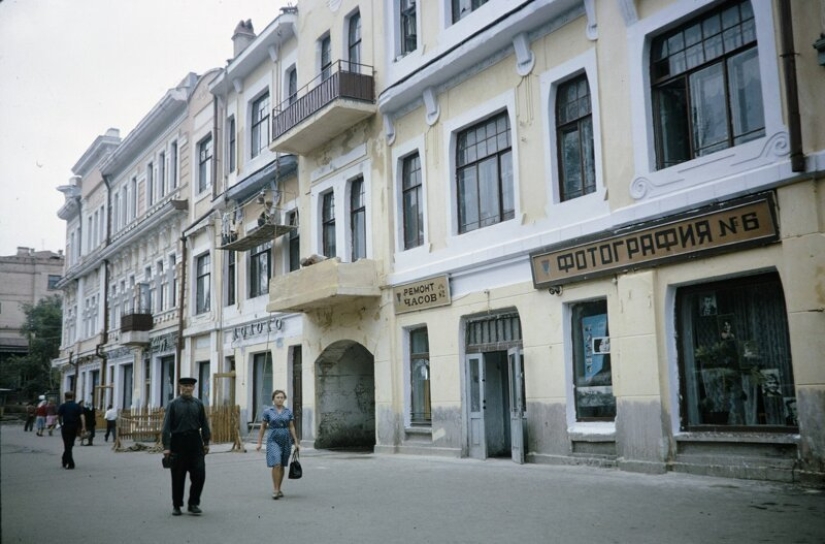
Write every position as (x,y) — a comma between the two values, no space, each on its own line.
(601,345)
(707,304)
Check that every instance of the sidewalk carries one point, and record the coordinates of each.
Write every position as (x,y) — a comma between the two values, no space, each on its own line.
(366,498)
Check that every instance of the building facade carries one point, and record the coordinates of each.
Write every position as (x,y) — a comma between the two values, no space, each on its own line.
(25,278)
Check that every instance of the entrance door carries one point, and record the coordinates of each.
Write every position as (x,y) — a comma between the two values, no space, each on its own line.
(515,371)
(475,390)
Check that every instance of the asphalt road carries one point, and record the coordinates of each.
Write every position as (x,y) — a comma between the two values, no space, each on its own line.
(125,498)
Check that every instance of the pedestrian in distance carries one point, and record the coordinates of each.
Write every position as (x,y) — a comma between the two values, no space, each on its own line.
(40,416)
(31,411)
(72,422)
(186,437)
(51,416)
(90,416)
(281,422)
(111,423)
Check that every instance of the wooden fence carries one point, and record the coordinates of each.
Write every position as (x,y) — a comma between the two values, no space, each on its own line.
(146,424)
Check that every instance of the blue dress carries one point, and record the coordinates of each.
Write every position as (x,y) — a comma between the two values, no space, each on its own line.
(279,441)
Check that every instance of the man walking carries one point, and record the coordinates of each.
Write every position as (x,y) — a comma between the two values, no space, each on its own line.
(71,419)
(186,438)
(111,423)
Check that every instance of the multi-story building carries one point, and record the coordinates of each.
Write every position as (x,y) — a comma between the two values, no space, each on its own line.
(25,278)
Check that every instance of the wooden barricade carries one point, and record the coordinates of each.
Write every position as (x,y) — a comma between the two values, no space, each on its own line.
(146,425)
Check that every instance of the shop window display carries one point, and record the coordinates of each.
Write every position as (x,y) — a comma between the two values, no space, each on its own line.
(735,358)
(593,374)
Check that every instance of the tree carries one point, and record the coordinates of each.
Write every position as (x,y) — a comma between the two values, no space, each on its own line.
(32,374)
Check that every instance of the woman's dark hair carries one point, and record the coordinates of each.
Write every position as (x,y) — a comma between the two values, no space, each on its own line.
(278,391)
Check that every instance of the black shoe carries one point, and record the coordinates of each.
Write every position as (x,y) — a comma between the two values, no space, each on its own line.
(176,511)
(194,510)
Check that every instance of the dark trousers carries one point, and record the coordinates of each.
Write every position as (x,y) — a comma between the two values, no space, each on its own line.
(29,424)
(69,434)
(187,450)
(111,427)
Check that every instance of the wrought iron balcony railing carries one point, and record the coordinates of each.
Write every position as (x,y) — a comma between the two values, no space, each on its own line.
(342,80)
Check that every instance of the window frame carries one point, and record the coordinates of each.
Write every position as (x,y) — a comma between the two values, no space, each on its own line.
(327,215)
(578,346)
(578,125)
(325,56)
(354,42)
(293,241)
(203,280)
(468,134)
(231,144)
(259,257)
(414,187)
(426,396)
(358,219)
(259,131)
(686,77)
(231,278)
(455,8)
(205,157)
(407,20)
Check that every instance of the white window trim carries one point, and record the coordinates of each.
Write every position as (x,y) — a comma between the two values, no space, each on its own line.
(573,210)
(480,238)
(255,90)
(392,38)
(735,168)
(399,153)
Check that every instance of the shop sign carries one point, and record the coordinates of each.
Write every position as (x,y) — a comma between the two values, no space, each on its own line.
(163,343)
(252,329)
(720,228)
(422,295)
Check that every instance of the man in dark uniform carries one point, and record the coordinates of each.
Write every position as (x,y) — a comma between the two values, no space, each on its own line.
(71,419)
(186,438)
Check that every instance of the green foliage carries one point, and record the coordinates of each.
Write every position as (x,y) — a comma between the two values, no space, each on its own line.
(32,374)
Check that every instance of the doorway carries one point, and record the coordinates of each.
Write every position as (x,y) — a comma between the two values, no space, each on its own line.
(345,401)
(496,406)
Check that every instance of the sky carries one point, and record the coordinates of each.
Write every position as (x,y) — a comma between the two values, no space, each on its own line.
(72,69)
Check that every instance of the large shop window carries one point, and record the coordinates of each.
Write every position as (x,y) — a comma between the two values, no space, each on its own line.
(420,413)
(592,373)
(261,384)
(735,355)
(707,92)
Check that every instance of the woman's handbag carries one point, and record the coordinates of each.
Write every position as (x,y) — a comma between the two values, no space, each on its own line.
(295,470)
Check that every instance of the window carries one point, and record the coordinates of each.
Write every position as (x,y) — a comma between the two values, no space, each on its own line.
(133,200)
(484,164)
(292,85)
(173,272)
(462,8)
(411,206)
(260,125)
(203,278)
(326,57)
(409,37)
(358,220)
(167,384)
(707,92)
(420,412)
(230,278)
(294,243)
(260,260)
(262,384)
(163,282)
(162,173)
(127,387)
(53,281)
(230,138)
(354,42)
(592,373)
(574,134)
(150,183)
(205,164)
(204,378)
(173,166)
(328,224)
(735,355)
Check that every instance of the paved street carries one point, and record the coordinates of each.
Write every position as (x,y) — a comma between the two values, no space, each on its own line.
(365,498)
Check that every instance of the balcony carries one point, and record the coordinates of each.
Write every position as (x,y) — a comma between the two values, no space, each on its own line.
(323,109)
(266,231)
(324,284)
(134,329)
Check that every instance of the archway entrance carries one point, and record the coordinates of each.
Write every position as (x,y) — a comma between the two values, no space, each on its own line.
(345,385)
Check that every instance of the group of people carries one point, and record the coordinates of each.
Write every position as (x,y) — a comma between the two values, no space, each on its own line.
(186,437)
(41,418)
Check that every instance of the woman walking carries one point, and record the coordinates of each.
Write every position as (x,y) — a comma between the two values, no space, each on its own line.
(279,418)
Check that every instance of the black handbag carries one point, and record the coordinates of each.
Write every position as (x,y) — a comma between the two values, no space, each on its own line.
(167,461)
(295,470)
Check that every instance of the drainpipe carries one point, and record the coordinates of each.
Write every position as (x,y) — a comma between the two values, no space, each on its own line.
(105,336)
(791,89)
(181,307)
